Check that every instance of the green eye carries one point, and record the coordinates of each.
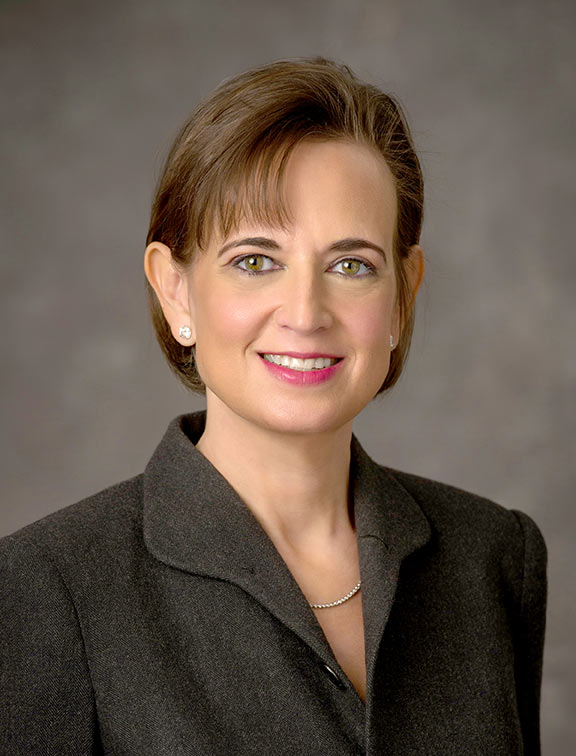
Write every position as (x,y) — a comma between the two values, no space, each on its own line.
(350,267)
(254,263)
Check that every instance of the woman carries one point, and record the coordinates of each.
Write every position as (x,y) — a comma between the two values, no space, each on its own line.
(264,587)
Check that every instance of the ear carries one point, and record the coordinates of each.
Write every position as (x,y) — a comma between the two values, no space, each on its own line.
(170,283)
(414,267)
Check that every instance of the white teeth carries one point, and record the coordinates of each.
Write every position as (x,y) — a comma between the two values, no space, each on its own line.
(296,363)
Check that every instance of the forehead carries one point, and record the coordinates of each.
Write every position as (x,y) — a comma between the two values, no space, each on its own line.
(348,182)
(340,185)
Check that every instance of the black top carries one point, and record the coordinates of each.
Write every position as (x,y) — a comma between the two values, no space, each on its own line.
(157,618)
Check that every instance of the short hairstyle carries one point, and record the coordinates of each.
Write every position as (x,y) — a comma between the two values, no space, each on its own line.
(229,157)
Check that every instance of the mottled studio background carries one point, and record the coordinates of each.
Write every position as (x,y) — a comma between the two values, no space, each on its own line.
(92,93)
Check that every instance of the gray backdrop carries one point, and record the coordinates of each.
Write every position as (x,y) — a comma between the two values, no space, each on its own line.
(92,94)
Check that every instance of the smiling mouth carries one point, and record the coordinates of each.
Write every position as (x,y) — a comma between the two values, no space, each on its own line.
(298,363)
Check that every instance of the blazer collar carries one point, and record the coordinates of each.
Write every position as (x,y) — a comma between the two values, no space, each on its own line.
(196,522)
(389,526)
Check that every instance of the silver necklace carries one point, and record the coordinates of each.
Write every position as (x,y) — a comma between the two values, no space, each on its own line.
(348,596)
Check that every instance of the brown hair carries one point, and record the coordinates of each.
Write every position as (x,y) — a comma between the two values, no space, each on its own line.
(228,161)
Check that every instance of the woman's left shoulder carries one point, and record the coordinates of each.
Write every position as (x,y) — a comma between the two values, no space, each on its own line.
(473,519)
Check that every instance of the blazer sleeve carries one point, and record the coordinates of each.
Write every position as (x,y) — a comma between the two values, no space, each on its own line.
(529,626)
(46,700)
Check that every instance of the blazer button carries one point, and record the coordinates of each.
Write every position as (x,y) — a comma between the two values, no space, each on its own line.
(333,677)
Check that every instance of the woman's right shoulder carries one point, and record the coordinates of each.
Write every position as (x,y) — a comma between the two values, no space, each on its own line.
(55,576)
(92,528)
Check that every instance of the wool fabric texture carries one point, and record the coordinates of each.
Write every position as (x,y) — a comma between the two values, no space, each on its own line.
(158,618)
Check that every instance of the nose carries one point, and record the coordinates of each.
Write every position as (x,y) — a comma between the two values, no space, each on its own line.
(304,306)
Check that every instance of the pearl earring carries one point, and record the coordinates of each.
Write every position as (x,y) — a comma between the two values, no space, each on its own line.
(185,332)
(392,344)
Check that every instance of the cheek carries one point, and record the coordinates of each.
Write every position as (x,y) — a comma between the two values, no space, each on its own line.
(371,323)
(225,319)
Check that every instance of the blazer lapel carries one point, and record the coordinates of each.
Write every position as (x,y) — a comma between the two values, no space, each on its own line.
(196,522)
(390,526)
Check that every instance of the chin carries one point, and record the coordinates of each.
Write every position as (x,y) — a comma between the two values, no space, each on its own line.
(310,413)
(296,418)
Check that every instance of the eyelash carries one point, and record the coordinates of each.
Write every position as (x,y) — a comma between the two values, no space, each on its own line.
(371,270)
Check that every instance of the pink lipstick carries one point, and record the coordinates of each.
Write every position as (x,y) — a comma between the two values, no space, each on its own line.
(301,370)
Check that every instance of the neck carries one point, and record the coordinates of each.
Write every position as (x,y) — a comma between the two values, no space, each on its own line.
(296,484)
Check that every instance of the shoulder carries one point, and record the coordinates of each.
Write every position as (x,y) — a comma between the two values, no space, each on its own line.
(448,505)
(52,576)
(473,524)
(481,543)
(441,498)
(89,530)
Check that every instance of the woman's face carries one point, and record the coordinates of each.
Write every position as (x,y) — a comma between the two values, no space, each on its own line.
(292,326)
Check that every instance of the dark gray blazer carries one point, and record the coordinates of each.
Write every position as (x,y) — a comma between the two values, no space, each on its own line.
(157,618)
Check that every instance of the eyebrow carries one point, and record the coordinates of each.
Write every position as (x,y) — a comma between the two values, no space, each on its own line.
(252,241)
(343,245)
